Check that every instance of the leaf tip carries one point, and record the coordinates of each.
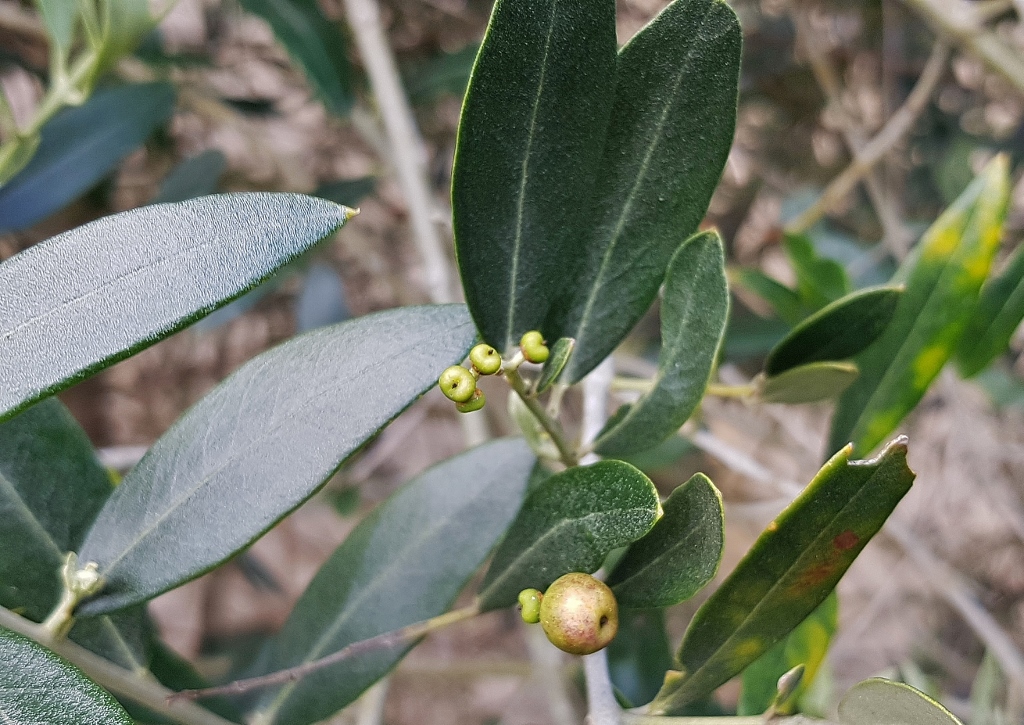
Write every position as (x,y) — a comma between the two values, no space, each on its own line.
(347,213)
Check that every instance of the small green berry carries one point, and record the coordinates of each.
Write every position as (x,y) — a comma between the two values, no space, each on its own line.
(474,403)
(579,614)
(529,605)
(457,384)
(533,347)
(485,359)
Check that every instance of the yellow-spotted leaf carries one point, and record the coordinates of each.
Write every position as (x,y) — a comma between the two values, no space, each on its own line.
(788,572)
(942,288)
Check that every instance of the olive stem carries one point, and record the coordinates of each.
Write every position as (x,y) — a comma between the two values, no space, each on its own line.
(633,718)
(553,427)
(601,704)
(140,688)
(406,635)
(644,385)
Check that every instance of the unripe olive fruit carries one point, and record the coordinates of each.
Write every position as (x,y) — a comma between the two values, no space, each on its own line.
(457,384)
(485,359)
(533,347)
(529,605)
(579,614)
(473,404)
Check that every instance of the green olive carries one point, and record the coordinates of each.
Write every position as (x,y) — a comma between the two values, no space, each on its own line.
(579,614)
(533,347)
(475,403)
(529,605)
(485,359)
(457,384)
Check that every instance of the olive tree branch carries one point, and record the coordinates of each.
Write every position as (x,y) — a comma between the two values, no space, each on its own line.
(406,635)
(895,129)
(566,450)
(631,718)
(132,686)
(963,24)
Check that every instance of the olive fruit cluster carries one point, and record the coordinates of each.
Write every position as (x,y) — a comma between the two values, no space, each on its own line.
(459,384)
(578,613)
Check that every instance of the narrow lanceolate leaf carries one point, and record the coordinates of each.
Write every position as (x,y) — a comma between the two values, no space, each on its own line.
(808,383)
(569,523)
(530,139)
(882,702)
(694,311)
(931,316)
(37,686)
(80,146)
(788,571)
(806,645)
(87,298)
(404,563)
(784,301)
(560,353)
(999,313)
(51,488)
(819,281)
(679,556)
(837,331)
(314,42)
(670,133)
(261,443)
(194,177)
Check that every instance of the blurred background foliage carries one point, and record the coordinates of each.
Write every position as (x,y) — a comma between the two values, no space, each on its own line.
(858,123)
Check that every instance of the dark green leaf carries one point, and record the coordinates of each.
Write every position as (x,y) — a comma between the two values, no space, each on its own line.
(123,637)
(404,563)
(693,316)
(262,443)
(79,147)
(819,281)
(788,572)
(51,488)
(837,331)
(560,353)
(193,177)
(570,523)
(313,42)
(663,455)
(37,687)
(680,555)
(89,297)
(446,73)
(806,645)
(809,383)
(881,702)
(999,313)
(347,191)
(783,300)
(639,655)
(669,136)
(530,141)
(949,267)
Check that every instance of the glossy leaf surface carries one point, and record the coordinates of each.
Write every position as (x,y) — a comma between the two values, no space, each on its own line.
(669,136)
(694,311)
(80,146)
(51,488)
(882,702)
(530,140)
(560,353)
(837,331)
(806,645)
(37,686)
(999,313)
(404,563)
(91,296)
(569,523)
(941,293)
(313,42)
(809,383)
(679,556)
(261,443)
(788,571)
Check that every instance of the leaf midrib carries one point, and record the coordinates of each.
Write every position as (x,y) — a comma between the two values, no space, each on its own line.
(652,563)
(640,177)
(322,642)
(524,178)
(741,627)
(29,516)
